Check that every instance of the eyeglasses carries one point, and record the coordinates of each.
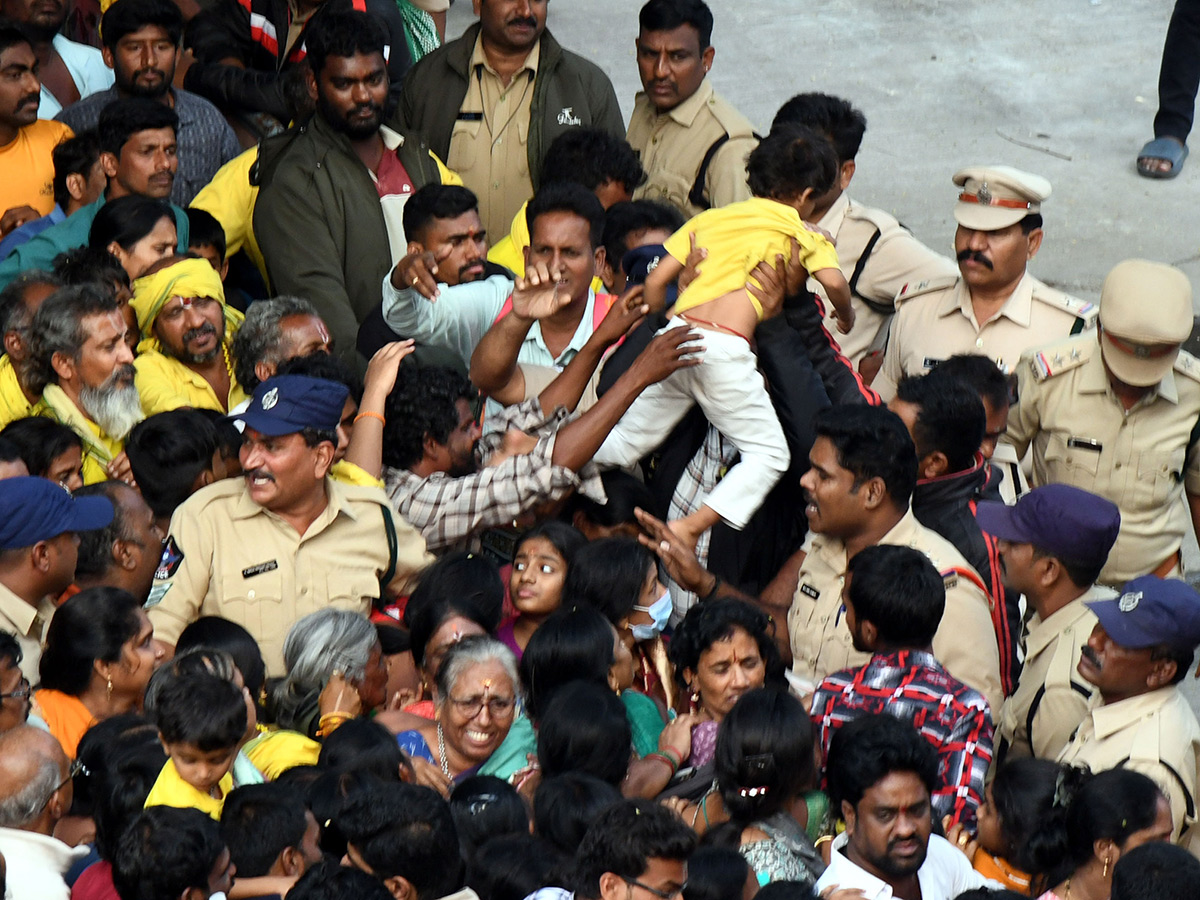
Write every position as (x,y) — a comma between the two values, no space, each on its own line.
(469,707)
(77,768)
(662,895)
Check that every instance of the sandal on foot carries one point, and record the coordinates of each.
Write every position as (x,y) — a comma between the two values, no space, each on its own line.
(1167,149)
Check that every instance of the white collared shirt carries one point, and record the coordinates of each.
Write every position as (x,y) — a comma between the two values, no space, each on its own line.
(37,864)
(943,876)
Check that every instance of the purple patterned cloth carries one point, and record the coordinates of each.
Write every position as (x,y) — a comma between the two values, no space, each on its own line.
(704,743)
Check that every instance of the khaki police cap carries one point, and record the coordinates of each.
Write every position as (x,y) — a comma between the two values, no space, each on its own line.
(1145,314)
(994,197)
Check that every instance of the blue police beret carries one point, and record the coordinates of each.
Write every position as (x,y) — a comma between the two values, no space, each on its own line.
(286,404)
(1152,611)
(36,509)
(1069,522)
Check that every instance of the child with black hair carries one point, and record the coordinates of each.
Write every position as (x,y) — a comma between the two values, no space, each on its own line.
(201,722)
(788,171)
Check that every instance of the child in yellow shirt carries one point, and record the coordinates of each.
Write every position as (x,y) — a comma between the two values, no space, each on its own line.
(788,171)
(201,720)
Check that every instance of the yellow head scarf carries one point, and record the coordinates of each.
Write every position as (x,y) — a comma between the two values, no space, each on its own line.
(187,278)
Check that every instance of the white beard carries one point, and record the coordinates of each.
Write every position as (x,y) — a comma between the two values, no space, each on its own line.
(114,406)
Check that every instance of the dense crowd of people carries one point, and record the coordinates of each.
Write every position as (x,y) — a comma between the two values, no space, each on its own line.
(416,481)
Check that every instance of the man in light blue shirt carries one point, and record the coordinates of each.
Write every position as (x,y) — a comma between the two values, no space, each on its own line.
(565,224)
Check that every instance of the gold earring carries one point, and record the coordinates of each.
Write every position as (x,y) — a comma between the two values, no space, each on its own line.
(109,687)
(1105,874)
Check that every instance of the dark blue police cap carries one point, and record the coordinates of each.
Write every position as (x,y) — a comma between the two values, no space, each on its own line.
(287,404)
(1152,611)
(639,262)
(36,509)
(1069,522)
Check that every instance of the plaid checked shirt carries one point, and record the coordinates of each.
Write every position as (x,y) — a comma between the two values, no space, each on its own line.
(451,512)
(911,685)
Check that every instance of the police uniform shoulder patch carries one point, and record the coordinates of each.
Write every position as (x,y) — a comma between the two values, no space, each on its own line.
(928,286)
(1187,365)
(1055,359)
(1084,311)
(170,561)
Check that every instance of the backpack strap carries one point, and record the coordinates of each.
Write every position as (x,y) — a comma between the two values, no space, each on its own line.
(884,309)
(389,527)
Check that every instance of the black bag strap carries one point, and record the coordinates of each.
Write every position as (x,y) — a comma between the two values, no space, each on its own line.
(696,196)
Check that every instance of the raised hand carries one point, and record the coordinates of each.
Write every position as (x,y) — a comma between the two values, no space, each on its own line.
(539,294)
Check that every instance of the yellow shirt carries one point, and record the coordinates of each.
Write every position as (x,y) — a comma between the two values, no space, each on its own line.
(229,198)
(349,473)
(490,140)
(165,383)
(13,402)
(738,237)
(29,168)
(274,752)
(171,790)
(98,448)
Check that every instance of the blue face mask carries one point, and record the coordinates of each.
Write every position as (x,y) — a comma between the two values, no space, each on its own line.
(660,612)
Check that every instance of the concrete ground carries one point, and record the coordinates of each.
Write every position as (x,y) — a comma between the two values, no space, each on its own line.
(1067,90)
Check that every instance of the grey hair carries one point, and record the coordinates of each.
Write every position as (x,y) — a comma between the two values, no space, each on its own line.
(14,314)
(190,662)
(21,808)
(58,328)
(471,651)
(258,339)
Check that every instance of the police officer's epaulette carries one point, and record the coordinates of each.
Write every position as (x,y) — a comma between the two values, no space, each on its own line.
(735,124)
(881,219)
(1085,313)
(928,286)
(1063,356)
(1188,365)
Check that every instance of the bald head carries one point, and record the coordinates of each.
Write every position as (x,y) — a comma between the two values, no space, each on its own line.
(35,789)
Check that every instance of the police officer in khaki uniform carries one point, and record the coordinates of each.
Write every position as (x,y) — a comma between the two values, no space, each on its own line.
(286,540)
(1115,413)
(39,547)
(994,306)
(877,254)
(1141,648)
(693,143)
(863,470)
(1053,543)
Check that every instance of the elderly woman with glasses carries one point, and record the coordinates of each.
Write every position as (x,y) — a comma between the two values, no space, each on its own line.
(475,700)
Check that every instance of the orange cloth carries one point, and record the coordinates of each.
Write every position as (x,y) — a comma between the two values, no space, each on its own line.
(28,167)
(65,716)
(1000,870)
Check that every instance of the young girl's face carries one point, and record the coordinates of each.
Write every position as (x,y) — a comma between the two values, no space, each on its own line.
(537,577)
(987,824)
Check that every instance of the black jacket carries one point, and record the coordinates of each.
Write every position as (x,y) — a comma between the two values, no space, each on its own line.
(947,505)
(254,32)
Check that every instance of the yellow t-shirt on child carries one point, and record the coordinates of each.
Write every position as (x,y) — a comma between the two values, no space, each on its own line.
(738,237)
(28,166)
(171,790)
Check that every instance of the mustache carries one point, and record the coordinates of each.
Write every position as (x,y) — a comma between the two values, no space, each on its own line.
(198,332)
(524,20)
(1091,656)
(122,376)
(975,256)
(147,71)
(259,473)
(35,99)
(471,264)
